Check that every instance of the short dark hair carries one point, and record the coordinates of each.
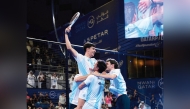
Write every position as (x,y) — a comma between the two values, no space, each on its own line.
(101,65)
(113,61)
(88,45)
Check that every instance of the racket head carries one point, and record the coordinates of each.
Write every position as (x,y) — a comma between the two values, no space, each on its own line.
(74,19)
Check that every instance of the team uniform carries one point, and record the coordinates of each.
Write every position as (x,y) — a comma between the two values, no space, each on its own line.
(118,86)
(84,63)
(75,91)
(95,92)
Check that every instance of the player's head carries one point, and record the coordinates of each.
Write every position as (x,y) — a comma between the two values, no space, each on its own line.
(100,66)
(111,64)
(31,72)
(89,49)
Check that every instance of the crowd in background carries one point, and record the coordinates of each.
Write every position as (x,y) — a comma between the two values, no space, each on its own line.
(42,54)
(43,101)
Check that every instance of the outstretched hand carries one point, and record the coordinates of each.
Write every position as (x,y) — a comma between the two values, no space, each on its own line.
(67,30)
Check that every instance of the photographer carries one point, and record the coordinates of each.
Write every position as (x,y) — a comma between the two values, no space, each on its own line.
(54,79)
(39,77)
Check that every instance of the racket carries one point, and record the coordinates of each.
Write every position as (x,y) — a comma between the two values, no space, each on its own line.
(74,19)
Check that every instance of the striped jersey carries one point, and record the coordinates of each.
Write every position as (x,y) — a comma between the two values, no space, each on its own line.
(117,85)
(95,92)
(84,64)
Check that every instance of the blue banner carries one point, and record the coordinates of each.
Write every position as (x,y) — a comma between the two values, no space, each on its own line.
(98,27)
(53,94)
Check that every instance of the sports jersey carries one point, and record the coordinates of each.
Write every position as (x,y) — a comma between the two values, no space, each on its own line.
(95,92)
(117,85)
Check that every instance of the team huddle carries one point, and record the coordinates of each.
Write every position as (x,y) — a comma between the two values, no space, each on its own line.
(88,87)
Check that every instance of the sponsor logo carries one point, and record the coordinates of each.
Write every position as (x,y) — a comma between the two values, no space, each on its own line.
(52,94)
(97,36)
(146,84)
(91,22)
(103,16)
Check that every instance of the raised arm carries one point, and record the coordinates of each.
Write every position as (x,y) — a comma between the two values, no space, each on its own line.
(68,44)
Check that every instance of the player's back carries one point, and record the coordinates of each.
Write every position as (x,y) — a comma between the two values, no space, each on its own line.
(95,91)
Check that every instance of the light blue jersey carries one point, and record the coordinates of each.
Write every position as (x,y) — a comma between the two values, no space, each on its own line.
(73,97)
(84,64)
(117,85)
(95,92)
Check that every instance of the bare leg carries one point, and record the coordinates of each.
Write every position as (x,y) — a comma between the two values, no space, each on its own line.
(80,103)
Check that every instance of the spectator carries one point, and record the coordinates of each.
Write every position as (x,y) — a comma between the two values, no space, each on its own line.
(33,63)
(53,60)
(39,77)
(46,99)
(43,80)
(54,79)
(60,68)
(51,105)
(37,51)
(135,98)
(142,105)
(27,98)
(28,47)
(62,99)
(108,99)
(139,101)
(60,76)
(71,80)
(31,104)
(104,106)
(41,98)
(31,80)
(31,43)
(106,89)
(70,65)
(135,107)
(47,60)
(35,98)
(59,106)
(152,102)
(39,63)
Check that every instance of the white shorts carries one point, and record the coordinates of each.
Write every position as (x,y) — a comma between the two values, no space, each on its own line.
(83,93)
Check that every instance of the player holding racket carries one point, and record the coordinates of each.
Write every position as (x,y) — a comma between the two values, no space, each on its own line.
(85,63)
